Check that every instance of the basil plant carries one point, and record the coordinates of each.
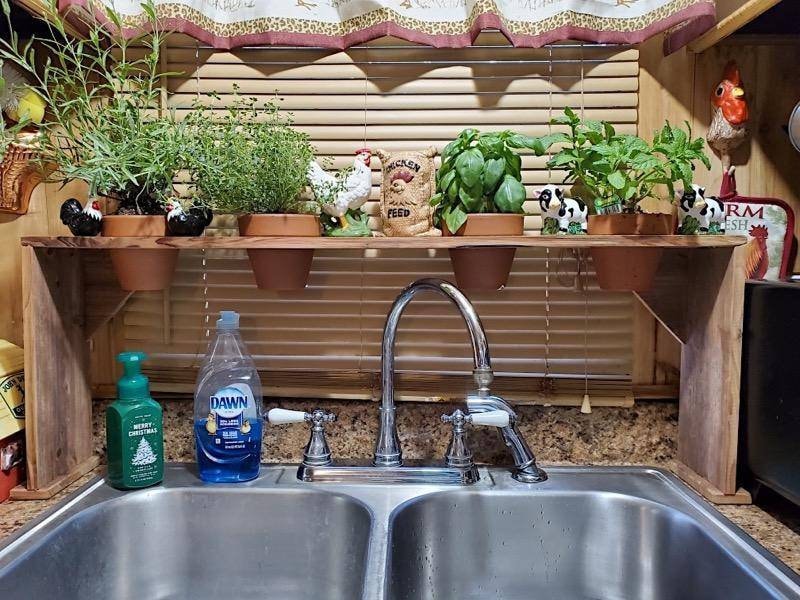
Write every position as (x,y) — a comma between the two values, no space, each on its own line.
(481,173)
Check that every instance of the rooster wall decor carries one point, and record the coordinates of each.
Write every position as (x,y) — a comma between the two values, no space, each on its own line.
(342,195)
(728,128)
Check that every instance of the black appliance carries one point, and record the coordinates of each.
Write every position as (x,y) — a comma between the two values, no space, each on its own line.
(770,408)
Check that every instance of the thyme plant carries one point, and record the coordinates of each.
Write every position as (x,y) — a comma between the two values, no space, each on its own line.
(249,160)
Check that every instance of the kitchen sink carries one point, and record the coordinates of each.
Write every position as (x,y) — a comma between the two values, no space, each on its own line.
(587,533)
(555,545)
(190,540)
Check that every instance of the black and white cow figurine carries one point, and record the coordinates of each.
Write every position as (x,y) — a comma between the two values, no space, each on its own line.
(561,215)
(573,216)
(550,197)
(700,215)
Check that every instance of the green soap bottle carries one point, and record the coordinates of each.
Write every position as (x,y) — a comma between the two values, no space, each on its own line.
(134,430)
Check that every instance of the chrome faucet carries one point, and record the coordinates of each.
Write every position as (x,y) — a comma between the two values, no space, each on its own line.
(387,449)
(483,409)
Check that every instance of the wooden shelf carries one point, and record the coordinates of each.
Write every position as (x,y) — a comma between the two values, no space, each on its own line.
(68,293)
(378,243)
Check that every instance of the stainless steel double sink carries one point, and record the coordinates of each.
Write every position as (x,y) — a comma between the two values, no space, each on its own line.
(587,533)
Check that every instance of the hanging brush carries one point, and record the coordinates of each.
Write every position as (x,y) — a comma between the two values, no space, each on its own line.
(18,100)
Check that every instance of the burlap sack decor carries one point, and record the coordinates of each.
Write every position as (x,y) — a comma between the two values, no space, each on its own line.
(406,188)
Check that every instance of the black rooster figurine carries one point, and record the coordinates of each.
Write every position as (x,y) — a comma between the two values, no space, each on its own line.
(82,221)
(191,223)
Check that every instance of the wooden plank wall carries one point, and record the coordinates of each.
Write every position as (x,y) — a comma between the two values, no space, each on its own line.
(678,88)
(41,219)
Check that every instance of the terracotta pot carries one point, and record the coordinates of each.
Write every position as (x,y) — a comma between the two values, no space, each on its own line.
(484,269)
(280,269)
(628,269)
(140,270)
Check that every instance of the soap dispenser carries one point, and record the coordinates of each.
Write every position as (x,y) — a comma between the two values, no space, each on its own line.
(134,430)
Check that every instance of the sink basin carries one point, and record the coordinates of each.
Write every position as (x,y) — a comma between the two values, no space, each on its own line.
(582,546)
(201,543)
(587,533)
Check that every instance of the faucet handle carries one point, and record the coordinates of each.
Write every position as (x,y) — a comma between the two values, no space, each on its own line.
(281,416)
(458,452)
(493,418)
(317,453)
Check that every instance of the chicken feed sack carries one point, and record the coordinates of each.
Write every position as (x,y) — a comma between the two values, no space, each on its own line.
(407,184)
(769,224)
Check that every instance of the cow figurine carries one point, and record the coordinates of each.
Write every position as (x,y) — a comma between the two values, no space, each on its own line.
(561,215)
(700,215)
(574,215)
(550,204)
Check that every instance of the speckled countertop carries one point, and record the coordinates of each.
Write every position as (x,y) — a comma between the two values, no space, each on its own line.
(643,435)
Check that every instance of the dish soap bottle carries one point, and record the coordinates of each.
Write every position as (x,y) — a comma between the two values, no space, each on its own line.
(227,408)
(134,430)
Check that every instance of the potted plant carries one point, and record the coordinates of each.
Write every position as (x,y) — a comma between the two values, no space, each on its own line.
(105,128)
(618,171)
(479,193)
(251,162)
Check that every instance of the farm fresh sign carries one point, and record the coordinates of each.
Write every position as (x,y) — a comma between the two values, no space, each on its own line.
(769,225)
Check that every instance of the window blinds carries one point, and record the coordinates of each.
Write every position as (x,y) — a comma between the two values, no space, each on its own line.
(544,331)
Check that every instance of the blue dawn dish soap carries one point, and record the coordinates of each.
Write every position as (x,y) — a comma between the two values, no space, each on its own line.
(227,408)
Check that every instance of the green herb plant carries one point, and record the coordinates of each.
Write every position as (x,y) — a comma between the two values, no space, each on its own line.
(103,92)
(249,160)
(617,171)
(480,173)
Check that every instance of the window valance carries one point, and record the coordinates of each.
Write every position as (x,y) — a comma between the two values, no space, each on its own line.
(439,23)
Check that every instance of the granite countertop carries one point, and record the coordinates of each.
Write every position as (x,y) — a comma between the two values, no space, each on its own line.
(643,435)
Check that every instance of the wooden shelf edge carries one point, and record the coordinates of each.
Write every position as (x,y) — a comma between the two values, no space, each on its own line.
(730,24)
(386,243)
(708,490)
(23,493)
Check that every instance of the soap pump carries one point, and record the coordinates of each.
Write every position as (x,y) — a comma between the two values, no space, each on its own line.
(134,429)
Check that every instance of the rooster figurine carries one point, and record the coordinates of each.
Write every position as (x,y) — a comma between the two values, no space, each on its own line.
(343,194)
(728,128)
(757,261)
(191,223)
(82,221)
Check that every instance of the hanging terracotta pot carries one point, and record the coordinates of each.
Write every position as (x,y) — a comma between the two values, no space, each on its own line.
(284,268)
(482,269)
(140,270)
(628,269)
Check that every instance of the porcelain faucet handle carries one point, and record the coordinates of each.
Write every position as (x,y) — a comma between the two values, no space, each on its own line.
(493,418)
(281,416)
(317,453)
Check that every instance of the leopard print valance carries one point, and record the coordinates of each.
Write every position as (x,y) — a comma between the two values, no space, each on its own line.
(439,23)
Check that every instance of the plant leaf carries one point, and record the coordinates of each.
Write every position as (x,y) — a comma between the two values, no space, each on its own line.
(510,196)
(493,171)
(455,218)
(469,166)
(617,180)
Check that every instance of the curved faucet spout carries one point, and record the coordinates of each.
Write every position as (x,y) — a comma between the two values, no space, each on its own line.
(387,449)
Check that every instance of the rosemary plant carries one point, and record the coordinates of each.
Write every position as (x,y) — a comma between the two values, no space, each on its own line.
(103,93)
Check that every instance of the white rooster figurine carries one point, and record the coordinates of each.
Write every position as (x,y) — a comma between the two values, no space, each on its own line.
(342,195)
